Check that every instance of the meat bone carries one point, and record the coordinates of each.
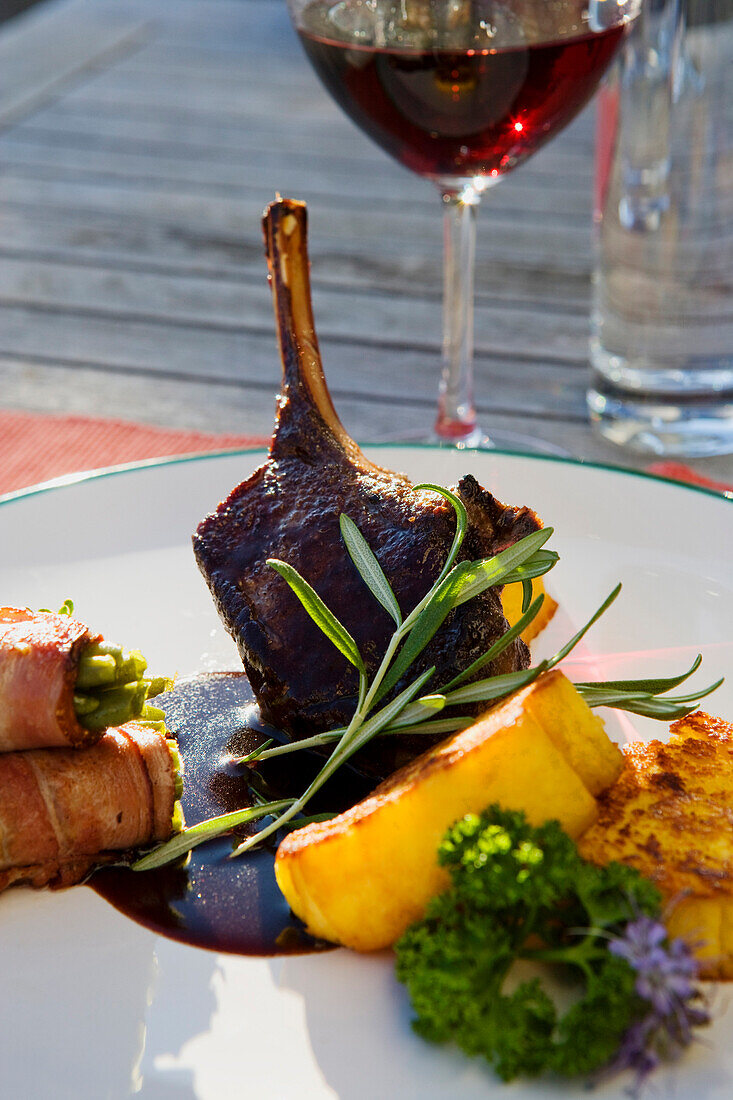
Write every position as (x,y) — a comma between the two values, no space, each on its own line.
(289,509)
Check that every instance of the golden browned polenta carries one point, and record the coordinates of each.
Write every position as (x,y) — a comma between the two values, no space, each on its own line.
(670,815)
(363,877)
(511,601)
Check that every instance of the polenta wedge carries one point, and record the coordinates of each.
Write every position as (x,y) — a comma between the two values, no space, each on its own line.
(511,601)
(363,877)
(670,815)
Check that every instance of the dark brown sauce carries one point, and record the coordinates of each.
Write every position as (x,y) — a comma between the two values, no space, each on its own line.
(224,904)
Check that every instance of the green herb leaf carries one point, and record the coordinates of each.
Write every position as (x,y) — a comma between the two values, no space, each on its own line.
(498,647)
(206,830)
(494,571)
(653,687)
(694,696)
(541,562)
(258,752)
(569,646)
(334,630)
(645,704)
(369,568)
(415,715)
(474,577)
(461,523)
(432,727)
(495,687)
(349,744)
(419,710)
(427,623)
(383,718)
(597,697)
(465,581)
(67,608)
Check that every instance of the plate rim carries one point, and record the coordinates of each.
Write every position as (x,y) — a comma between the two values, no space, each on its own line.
(66,481)
(315,1066)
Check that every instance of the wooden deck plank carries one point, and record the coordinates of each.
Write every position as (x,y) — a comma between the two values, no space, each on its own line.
(29,152)
(228,406)
(30,236)
(373,318)
(46,49)
(306,106)
(333,140)
(335,222)
(353,366)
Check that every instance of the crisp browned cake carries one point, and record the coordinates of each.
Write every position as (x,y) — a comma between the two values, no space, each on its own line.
(670,814)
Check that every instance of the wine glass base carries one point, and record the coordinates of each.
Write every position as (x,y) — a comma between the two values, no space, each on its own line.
(526,444)
(499,440)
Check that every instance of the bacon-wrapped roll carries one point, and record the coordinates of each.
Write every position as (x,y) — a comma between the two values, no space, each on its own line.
(60,685)
(62,812)
(39,663)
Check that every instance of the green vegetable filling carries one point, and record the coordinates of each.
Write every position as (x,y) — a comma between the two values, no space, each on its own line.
(111,687)
(178,821)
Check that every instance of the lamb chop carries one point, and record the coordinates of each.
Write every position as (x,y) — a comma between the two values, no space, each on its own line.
(289,508)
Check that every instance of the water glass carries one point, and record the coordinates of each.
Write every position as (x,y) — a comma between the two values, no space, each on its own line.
(662,317)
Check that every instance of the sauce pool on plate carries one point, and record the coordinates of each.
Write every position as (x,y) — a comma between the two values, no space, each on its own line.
(212,901)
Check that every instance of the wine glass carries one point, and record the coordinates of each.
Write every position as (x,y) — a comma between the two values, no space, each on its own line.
(461,92)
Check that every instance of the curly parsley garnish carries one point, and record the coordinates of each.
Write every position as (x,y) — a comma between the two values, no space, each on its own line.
(524,893)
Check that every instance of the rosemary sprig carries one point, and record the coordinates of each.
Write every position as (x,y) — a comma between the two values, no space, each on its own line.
(454,585)
(355,737)
(407,642)
(643,697)
(408,712)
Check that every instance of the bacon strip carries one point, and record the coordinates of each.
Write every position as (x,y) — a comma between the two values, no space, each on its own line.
(39,662)
(62,812)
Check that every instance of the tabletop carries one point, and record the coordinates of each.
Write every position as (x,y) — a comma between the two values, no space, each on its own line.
(140,141)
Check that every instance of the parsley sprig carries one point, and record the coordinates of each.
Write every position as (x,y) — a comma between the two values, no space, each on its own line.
(524,893)
(410,711)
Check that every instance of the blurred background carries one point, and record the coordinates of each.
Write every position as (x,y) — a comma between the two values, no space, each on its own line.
(139,142)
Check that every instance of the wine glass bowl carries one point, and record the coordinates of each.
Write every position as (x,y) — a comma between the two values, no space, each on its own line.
(461,92)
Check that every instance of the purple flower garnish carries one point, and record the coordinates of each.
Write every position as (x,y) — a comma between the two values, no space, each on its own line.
(665,978)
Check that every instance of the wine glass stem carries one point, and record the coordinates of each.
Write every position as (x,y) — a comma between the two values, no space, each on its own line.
(456,422)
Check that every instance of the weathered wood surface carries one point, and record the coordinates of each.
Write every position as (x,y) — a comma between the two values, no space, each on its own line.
(139,141)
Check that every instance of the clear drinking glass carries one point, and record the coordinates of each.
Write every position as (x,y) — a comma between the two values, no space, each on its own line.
(461,92)
(662,325)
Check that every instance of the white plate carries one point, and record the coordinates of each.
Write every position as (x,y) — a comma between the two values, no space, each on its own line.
(94,1007)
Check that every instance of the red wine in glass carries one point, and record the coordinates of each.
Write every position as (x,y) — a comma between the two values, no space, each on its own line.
(447,114)
(461,92)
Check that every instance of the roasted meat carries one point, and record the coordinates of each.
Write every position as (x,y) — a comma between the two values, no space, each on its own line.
(289,509)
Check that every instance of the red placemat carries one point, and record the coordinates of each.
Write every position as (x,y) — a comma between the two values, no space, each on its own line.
(36,447)
(679,472)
